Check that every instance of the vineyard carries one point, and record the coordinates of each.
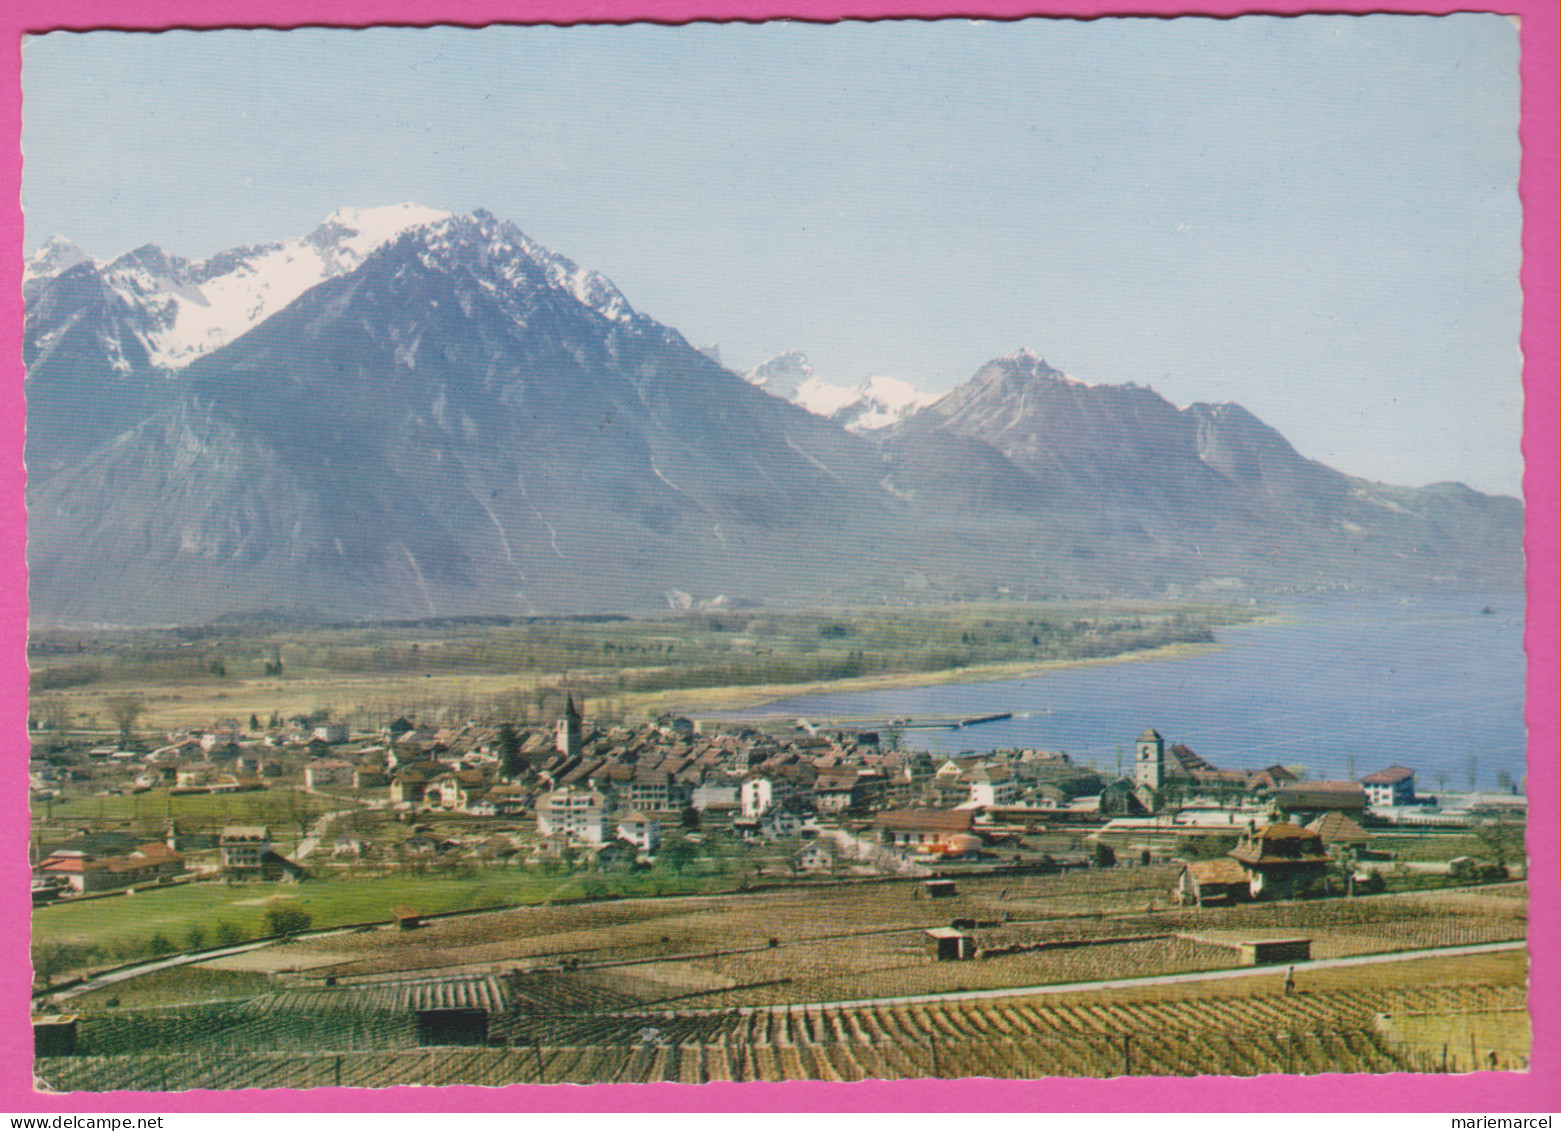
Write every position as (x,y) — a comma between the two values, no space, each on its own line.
(867,941)
(740,988)
(897,965)
(1367,925)
(555,1031)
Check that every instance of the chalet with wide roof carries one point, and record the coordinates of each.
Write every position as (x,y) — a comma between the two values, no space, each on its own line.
(1281,860)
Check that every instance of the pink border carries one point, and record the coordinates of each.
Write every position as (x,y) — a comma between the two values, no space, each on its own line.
(1485,1092)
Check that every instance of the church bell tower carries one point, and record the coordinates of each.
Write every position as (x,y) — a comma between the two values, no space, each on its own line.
(1149,764)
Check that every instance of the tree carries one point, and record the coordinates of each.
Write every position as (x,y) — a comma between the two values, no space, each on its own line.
(1105,856)
(511,764)
(679,853)
(1504,780)
(287,920)
(1170,797)
(1502,839)
(125,710)
(49,959)
(689,818)
(160,945)
(1204,847)
(54,714)
(299,810)
(227,934)
(254,722)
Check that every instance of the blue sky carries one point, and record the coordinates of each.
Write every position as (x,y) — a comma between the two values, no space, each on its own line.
(1315,217)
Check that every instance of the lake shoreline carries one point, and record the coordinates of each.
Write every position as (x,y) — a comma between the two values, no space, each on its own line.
(722,703)
(1336,689)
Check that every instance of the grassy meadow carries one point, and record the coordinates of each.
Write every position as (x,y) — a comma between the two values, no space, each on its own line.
(101,931)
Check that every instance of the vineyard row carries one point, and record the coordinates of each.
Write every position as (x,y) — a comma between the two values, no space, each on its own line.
(1080,1055)
(240,1028)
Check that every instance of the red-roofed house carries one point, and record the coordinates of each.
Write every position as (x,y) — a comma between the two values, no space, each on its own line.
(150,863)
(1392,786)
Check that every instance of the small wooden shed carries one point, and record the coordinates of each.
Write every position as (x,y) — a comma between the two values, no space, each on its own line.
(54,1035)
(1269,952)
(948,945)
(940,889)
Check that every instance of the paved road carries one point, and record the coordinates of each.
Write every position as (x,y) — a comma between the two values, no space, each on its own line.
(1276,972)
(316,833)
(126,973)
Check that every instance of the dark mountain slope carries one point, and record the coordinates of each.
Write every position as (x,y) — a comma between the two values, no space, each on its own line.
(445,429)
(89,376)
(458,421)
(1119,485)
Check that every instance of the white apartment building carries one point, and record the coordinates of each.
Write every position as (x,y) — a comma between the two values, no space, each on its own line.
(580,814)
(761,794)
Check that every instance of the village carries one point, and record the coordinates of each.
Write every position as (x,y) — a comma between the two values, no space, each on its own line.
(597,798)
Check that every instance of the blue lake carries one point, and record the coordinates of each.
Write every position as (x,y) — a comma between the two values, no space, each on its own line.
(1431,683)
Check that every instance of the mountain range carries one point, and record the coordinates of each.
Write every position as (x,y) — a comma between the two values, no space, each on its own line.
(408,413)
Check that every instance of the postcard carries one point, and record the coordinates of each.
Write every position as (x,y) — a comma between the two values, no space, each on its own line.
(930,561)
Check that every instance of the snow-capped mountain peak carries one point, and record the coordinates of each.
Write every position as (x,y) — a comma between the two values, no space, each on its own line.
(591,288)
(783,376)
(884,401)
(1025,362)
(514,258)
(53,258)
(360,232)
(182,309)
(872,404)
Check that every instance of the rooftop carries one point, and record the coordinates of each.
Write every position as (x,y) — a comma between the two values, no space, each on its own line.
(1388,776)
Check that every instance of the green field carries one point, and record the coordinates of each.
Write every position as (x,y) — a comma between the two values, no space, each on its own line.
(93,933)
(124,921)
(513,669)
(1430,847)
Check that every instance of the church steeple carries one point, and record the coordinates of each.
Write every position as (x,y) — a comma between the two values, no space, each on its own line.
(566,737)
